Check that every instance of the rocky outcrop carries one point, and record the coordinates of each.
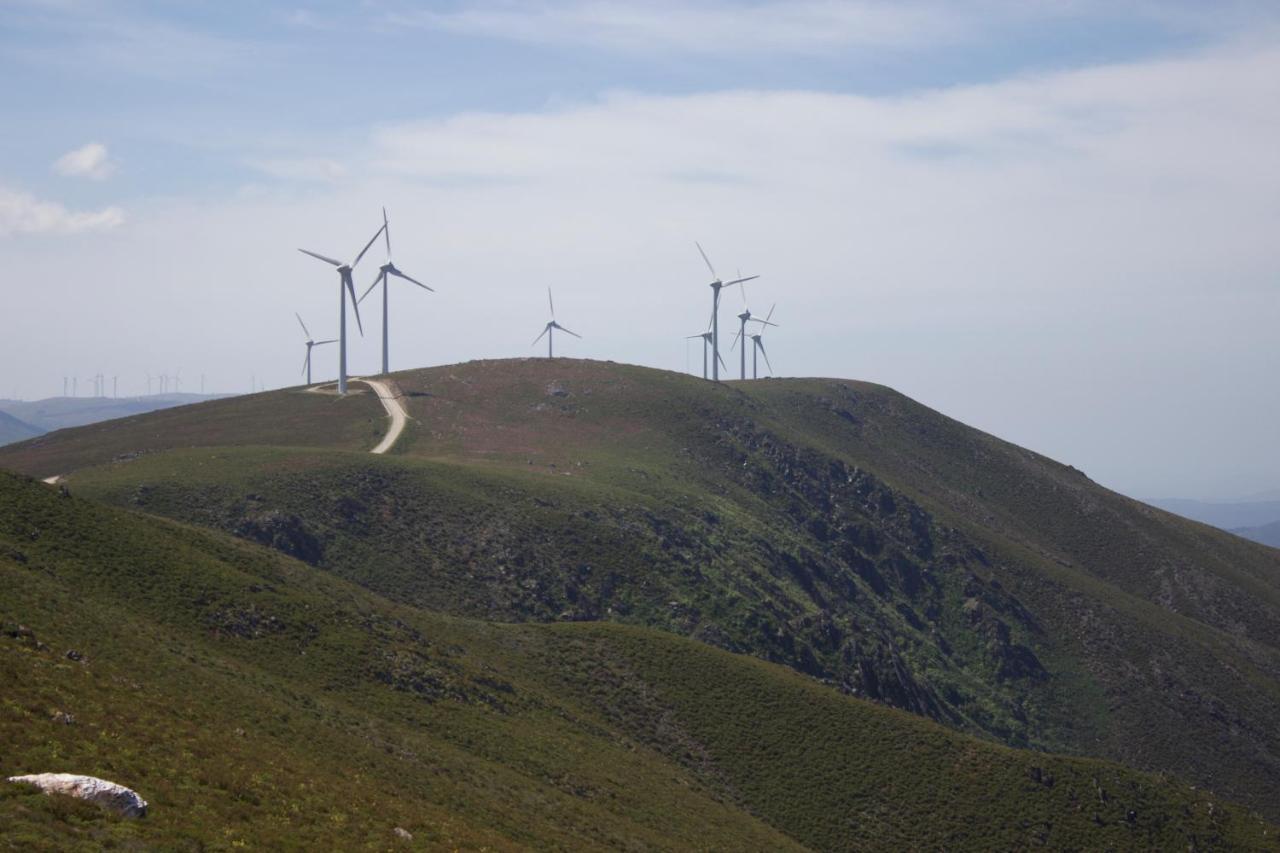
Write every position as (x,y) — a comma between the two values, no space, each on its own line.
(109,795)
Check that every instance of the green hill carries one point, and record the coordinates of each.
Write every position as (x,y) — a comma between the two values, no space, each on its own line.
(256,701)
(836,527)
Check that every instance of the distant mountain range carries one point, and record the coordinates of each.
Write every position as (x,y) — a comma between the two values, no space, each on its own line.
(12,429)
(1231,515)
(40,416)
(1267,534)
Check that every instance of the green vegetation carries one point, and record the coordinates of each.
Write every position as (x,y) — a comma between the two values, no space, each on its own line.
(258,702)
(834,527)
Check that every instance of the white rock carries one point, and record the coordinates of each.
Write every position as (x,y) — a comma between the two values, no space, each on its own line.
(109,795)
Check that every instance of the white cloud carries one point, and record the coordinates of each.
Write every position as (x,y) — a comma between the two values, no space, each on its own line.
(21,213)
(707,27)
(88,161)
(301,168)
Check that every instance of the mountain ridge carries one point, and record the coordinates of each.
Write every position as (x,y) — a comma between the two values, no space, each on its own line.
(834,526)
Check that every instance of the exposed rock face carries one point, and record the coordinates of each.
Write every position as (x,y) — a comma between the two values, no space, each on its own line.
(109,795)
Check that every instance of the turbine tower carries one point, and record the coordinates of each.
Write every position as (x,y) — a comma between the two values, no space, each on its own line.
(549,329)
(758,345)
(384,274)
(345,285)
(716,285)
(306,362)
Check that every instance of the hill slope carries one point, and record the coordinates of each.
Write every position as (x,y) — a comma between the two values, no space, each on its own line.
(835,527)
(251,697)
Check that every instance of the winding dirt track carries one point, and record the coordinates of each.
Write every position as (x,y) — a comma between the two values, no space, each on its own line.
(395,410)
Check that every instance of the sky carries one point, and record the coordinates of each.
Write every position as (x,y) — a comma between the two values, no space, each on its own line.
(1054,221)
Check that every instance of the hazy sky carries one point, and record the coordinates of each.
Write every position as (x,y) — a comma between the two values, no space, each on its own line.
(1056,221)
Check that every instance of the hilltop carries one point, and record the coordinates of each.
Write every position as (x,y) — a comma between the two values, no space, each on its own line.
(835,527)
(256,700)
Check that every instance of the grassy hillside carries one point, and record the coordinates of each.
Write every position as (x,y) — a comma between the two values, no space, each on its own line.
(835,527)
(256,701)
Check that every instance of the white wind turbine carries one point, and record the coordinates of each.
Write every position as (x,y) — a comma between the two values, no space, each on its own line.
(716,286)
(384,274)
(744,318)
(306,363)
(758,345)
(549,329)
(345,285)
(706,345)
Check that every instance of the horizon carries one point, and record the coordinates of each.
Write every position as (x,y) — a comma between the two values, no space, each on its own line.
(1056,225)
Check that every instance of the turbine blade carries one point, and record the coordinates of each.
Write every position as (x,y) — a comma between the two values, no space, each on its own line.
(762,322)
(306,359)
(376,235)
(563,329)
(386,232)
(551,303)
(765,354)
(381,273)
(399,274)
(321,257)
(705,259)
(322,343)
(769,316)
(740,280)
(545,329)
(355,304)
(735,340)
(720,359)
(303,325)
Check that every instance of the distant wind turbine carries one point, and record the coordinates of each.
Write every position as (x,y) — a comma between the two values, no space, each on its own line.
(549,329)
(306,362)
(744,318)
(757,345)
(716,286)
(384,274)
(345,286)
(706,344)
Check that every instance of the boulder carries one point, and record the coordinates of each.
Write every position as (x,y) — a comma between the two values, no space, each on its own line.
(109,795)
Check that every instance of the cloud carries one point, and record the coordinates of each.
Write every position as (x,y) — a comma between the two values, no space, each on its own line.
(320,169)
(21,213)
(707,27)
(88,161)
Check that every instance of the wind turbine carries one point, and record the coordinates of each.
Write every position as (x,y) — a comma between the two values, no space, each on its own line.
(744,318)
(549,329)
(758,344)
(716,285)
(306,363)
(345,285)
(706,343)
(384,274)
